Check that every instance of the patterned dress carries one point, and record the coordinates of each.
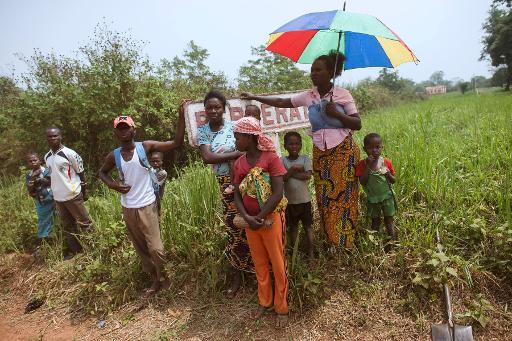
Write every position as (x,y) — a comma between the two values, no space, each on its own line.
(335,156)
(223,141)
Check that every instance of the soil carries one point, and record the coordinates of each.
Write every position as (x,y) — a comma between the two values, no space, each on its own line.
(369,312)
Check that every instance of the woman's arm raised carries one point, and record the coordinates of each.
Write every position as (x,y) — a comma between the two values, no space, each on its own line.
(272,101)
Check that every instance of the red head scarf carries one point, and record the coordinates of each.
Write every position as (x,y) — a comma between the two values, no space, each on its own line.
(250,125)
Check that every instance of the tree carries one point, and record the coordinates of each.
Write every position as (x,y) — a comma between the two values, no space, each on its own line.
(503,2)
(9,95)
(463,86)
(270,72)
(499,77)
(190,76)
(393,82)
(82,94)
(480,82)
(437,78)
(497,41)
(389,80)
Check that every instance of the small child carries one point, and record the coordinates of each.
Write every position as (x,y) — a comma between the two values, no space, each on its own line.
(251,110)
(376,174)
(38,186)
(156,160)
(296,189)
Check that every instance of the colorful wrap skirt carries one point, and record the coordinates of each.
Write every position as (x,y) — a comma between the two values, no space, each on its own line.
(337,191)
(237,250)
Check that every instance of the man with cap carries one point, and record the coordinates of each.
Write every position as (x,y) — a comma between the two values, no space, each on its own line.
(69,190)
(138,198)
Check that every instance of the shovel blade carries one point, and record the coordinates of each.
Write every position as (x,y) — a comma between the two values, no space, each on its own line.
(463,333)
(441,332)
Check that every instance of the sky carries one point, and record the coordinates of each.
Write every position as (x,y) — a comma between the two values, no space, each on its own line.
(444,34)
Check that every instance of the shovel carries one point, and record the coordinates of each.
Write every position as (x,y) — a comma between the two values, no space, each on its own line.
(449,331)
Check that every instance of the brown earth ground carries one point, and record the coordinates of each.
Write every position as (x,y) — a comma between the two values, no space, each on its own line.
(354,308)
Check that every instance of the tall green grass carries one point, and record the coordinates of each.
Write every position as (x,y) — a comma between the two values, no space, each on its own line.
(452,156)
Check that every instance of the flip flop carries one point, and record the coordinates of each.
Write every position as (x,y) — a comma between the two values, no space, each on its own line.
(149,292)
(260,311)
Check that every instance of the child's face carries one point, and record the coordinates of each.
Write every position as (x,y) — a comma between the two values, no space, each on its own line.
(156,161)
(253,112)
(293,145)
(374,147)
(33,162)
(242,141)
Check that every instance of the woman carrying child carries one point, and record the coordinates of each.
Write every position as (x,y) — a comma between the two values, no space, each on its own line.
(259,199)
(38,186)
(217,147)
(333,117)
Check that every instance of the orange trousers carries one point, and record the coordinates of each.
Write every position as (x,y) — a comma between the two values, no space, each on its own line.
(267,248)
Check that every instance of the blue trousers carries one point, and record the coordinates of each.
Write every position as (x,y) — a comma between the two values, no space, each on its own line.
(45,214)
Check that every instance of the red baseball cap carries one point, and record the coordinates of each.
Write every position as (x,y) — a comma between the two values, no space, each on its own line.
(124,119)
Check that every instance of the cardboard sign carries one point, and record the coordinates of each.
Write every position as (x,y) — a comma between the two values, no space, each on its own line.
(273,120)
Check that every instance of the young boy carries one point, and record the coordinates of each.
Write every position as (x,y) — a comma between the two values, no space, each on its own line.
(138,199)
(156,160)
(376,174)
(296,189)
(38,186)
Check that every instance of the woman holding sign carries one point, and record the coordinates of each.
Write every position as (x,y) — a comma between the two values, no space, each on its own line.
(333,117)
(216,142)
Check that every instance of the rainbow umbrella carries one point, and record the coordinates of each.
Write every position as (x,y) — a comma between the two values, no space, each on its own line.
(364,40)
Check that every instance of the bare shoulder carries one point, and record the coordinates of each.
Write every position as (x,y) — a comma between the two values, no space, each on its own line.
(110,157)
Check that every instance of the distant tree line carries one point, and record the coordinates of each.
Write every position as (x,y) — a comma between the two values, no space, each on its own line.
(497,41)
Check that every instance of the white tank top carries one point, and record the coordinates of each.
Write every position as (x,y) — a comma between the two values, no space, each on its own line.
(141,193)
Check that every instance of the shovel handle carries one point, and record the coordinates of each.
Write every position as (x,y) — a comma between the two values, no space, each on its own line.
(446,290)
(448,302)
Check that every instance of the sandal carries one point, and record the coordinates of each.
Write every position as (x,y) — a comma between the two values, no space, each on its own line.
(260,311)
(152,290)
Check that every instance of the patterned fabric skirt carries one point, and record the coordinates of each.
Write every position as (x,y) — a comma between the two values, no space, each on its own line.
(337,191)
(237,250)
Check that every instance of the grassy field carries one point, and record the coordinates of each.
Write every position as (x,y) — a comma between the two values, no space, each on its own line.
(453,157)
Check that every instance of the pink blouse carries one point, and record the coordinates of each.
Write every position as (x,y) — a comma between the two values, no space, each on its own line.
(327,138)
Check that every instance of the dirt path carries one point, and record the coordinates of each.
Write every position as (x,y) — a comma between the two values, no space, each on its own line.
(359,312)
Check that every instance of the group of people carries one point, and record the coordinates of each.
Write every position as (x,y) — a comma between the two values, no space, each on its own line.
(263,195)
(60,184)
(252,180)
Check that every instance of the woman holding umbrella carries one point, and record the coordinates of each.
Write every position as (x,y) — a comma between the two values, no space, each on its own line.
(333,117)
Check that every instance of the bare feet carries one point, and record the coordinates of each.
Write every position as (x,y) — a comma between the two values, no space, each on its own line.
(153,289)
(281,320)
(165,284)
(259,312)
(236,281)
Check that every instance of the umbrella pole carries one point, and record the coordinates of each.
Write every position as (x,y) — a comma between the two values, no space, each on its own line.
(336,62)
